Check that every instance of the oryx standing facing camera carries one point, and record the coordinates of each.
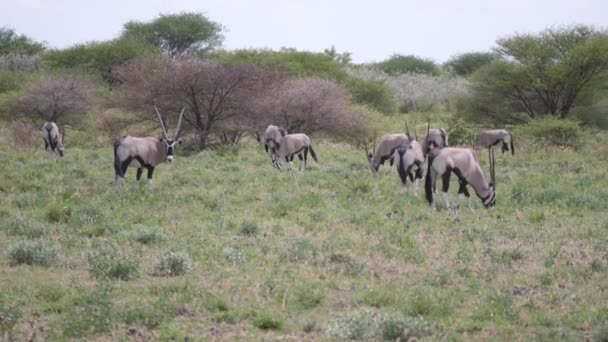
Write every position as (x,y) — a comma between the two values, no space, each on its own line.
(146,152)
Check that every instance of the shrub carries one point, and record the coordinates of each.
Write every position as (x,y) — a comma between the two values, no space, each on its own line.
(300,251)
(56,213)
(367,324)
(9,316)
(600,334)
(32,253)
(173,264)
(373,93)
(24,136)
(86,214)
(147,235)
(552,131)
(22,226)
(461,133)
(267,322)
(249,228)
(234,255)
(105,262)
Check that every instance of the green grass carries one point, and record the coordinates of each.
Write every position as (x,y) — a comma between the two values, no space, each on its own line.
(262,254)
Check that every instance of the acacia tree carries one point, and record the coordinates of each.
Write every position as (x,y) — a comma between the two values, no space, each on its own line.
(177,34)
(467,63)
(54,98)
(212,93)
(541,73)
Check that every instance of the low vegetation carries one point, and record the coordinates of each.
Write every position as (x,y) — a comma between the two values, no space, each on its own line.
(226,246)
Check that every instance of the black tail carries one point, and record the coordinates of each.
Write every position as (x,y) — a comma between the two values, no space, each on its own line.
(117,163)
(312,153)
(512,148)
(428,182)
(401,166)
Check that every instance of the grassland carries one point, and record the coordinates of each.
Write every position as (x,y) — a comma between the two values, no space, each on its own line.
(331,253)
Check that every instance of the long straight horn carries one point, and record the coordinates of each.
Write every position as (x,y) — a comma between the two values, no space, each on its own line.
(428,131)
(415,134)
(492,168)
(374,143)
(179,123)
(162,125)
(407,131)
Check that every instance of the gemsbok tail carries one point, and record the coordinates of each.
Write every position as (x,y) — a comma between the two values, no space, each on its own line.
(512,148)
(428,181)
(312,153)
(117,163)
(401,165)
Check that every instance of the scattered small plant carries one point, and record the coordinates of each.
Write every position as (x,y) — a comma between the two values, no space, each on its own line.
(57,214)
(172,264)
(234,255)
(86,214)
(300,251)
(249,228)
(106,263)
(9,316)
(147,235)
(23,227)
(32,253)
(368,324)
(266,321)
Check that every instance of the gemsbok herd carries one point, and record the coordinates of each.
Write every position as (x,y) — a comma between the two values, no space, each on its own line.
(410,156)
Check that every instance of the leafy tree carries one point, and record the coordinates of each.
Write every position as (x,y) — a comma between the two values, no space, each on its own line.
(97,57)
(291,61)
(177,34)
(13,43)
(342,58)
(466,63)
(540,74)
(372,93)
(400,64)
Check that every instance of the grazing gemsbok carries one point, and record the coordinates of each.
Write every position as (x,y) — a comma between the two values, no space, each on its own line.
(386,148)
(272,136)
(146,152)
(493,137)
(409,159)
(53,139)
(461,162)
(435,138)
(291,145)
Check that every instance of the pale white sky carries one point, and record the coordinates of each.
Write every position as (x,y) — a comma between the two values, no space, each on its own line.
(371,30)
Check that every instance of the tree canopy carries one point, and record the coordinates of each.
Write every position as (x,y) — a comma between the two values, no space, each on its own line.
(177,34)
(541,73)
(467,63)
(400,64)
(13,43)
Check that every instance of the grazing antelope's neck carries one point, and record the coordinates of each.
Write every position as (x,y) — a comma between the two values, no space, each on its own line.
(478,181)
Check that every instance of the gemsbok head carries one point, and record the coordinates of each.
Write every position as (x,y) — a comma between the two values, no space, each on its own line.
(435,138)
(273,136)
(53,139)
(410,160)
(145,152)
(493,137)
(460,162)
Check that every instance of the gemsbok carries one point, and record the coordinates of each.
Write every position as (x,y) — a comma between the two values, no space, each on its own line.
(493,137)
(461,162)
(291,145)
(53,139)
(388,143)
(435,138)
(272,136)
(144,152)
(410,160)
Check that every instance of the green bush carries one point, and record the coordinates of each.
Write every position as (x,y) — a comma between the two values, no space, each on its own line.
(461,133)
(32,253)
(105,262)
(56,213)
(374,94)
(249,228)
(553,131)
(9,316)
(234,255)
(265,321)
(173,264)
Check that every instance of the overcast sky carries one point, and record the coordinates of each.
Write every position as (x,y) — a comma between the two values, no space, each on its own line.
(372,30)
